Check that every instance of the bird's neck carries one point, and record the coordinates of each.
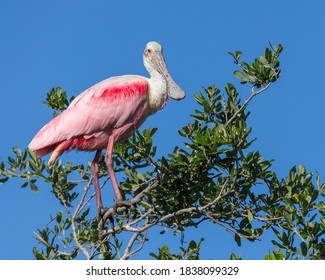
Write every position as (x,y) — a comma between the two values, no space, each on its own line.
(157,92)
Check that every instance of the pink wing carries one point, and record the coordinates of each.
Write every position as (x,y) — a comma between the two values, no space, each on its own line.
(110,105)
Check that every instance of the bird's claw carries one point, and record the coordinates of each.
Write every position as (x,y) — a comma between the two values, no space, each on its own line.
(121,203)
(103,218)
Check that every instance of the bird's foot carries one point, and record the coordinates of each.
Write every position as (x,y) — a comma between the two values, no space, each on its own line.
(107,214)
(117,204)
(121,203)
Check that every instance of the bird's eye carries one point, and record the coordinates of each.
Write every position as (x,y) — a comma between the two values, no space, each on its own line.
(149,50)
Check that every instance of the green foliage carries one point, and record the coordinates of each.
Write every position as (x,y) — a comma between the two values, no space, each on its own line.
(25,165)
(189,253)
(233,256)
(57,100)
(275,255)
(215,176)
(302,224)
(263,70)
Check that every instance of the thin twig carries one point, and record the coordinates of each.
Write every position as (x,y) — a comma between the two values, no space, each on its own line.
(217,198)
(232,231)
(80,205)
(55,250)
(73,226)
(254,93)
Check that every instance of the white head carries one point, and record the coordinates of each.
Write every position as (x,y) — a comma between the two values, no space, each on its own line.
(155,63)
(154,46)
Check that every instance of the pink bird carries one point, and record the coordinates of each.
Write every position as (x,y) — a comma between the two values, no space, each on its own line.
(107,113)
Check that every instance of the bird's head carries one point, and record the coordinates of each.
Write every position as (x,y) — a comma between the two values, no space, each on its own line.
(154,62)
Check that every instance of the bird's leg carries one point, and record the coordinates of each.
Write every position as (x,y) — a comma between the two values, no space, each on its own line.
(109,162)
(94,172)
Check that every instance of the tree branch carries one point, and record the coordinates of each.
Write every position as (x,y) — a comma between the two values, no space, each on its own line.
(254,93)
(138,229)
(127,253)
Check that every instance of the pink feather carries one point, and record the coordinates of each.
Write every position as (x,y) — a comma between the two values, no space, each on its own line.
(113,107)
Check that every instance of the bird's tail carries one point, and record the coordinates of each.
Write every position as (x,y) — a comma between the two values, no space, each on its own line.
(43,151)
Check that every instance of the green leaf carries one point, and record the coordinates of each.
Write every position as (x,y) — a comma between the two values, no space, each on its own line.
(238,54)
(301,169)
(264,61)
(238,239)
(241,76)
(33,186)
(24,185)
(140,176)
(303,247)
(3,180)
(235,55)
(192,245)
(250,216)
(37,255)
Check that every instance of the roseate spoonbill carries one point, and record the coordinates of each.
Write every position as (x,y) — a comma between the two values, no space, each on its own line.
(107,113)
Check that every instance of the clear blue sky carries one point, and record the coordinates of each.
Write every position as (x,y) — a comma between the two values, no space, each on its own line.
(75,44)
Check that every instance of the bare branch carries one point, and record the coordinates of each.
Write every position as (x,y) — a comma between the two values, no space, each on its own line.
(73,226)
(127,253)
(76,238)
(254,93)
(80,205)
(190,210)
